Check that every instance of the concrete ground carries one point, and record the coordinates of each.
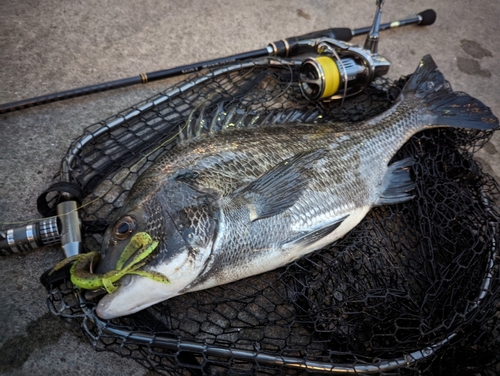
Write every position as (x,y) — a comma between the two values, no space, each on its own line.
(57,45)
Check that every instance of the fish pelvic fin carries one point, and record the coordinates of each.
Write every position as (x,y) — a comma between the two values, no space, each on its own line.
(308,238)
(454,109)
(398,183)
(279,188)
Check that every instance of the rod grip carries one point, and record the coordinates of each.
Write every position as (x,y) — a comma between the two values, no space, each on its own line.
(428,17)
(291,46)
(339,33)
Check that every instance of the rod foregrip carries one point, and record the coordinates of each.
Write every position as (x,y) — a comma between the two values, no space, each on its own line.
(339,33)
(292,46)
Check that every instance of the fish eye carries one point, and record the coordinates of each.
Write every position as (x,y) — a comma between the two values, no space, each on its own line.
(124,227)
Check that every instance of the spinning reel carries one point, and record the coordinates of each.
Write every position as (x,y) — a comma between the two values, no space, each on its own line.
(343,69)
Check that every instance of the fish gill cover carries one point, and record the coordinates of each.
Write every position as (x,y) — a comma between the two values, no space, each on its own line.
(413,288)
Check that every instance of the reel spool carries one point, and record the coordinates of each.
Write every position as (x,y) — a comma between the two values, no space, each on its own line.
(343,69)
(326,77)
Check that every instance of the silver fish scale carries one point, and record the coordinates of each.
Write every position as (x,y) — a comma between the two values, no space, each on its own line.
(348,177)
(155,224)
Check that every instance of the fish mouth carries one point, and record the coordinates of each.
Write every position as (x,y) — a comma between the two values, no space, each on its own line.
(110,254)
(140,293)
(93,294)
(137,292)
(117,274)
(120,254)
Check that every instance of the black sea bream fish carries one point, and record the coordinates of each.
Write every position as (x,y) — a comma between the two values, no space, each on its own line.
(245,201)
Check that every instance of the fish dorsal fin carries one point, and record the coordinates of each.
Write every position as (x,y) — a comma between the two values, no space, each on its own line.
(209,118)
(279,188)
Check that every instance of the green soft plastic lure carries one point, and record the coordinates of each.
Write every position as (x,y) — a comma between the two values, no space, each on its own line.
(140,246)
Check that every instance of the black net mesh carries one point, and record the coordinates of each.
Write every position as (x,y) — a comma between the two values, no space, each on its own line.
(413,288)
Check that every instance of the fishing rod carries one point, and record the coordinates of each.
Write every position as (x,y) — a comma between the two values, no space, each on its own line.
(340,70)
(283,48)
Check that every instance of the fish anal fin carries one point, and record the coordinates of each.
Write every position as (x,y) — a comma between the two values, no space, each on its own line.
(398,183)
(279,188)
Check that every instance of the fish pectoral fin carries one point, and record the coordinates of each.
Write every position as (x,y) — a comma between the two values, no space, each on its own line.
(279,188)
(397,182)
(309,237)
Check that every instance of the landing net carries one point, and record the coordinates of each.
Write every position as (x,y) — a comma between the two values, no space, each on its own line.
(413,288)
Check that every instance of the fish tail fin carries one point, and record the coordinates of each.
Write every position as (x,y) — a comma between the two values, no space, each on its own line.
(454,109)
